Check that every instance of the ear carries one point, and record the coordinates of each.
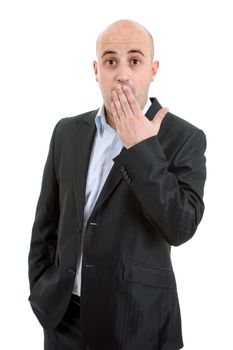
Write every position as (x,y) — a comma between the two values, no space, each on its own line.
(154,68)
(95,66)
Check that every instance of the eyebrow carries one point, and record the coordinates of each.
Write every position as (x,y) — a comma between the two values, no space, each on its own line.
(110,52)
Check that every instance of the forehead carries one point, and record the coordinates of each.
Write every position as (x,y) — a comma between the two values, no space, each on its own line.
(124,42)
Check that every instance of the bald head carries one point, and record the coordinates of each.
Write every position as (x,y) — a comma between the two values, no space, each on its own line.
(123,31)
(125,53)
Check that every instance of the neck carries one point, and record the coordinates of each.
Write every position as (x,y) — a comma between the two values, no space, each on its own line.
(110,119)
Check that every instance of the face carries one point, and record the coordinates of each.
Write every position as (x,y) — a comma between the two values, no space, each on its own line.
(125,57)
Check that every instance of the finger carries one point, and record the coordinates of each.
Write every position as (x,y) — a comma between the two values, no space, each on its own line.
(124,102)
(134,105)
(160,115)
(117,120)
(114,112)
(117,104)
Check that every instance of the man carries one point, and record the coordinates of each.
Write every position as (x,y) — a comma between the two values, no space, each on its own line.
(120,186)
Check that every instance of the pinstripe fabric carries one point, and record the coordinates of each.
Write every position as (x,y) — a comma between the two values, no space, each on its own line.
(152,199)
(106,146)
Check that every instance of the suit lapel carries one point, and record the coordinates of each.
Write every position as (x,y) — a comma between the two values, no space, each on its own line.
(154,108)
(112,181)
(82,145)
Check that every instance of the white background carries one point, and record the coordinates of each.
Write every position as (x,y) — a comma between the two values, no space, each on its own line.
(46,52)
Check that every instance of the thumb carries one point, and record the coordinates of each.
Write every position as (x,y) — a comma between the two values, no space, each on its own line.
(157,120)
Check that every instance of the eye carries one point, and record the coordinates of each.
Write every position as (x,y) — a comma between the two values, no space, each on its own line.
(111,62)
(135,61)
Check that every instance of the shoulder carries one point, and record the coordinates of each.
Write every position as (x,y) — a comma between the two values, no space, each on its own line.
(68,125)
(180,137)
(87,117)
(172,125)
(175,123)
(179,128)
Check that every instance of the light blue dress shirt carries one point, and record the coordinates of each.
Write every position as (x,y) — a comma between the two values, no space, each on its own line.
(106,146)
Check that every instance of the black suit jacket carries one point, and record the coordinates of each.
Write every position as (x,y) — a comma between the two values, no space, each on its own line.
(152,199)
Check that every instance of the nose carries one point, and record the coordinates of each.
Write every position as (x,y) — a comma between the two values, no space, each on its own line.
(122,80)
(122,75)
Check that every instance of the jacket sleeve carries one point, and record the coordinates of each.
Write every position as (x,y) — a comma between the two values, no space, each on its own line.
(44,231)
(169,191)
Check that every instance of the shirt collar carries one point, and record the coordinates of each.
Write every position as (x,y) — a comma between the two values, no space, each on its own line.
(101,123)
(100,120)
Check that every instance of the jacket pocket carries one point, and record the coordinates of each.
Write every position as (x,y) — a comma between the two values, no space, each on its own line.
(149,275)
(48,278)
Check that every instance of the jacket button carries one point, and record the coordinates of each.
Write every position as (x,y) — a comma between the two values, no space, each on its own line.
(129,180)
(93,224)
(71,272)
